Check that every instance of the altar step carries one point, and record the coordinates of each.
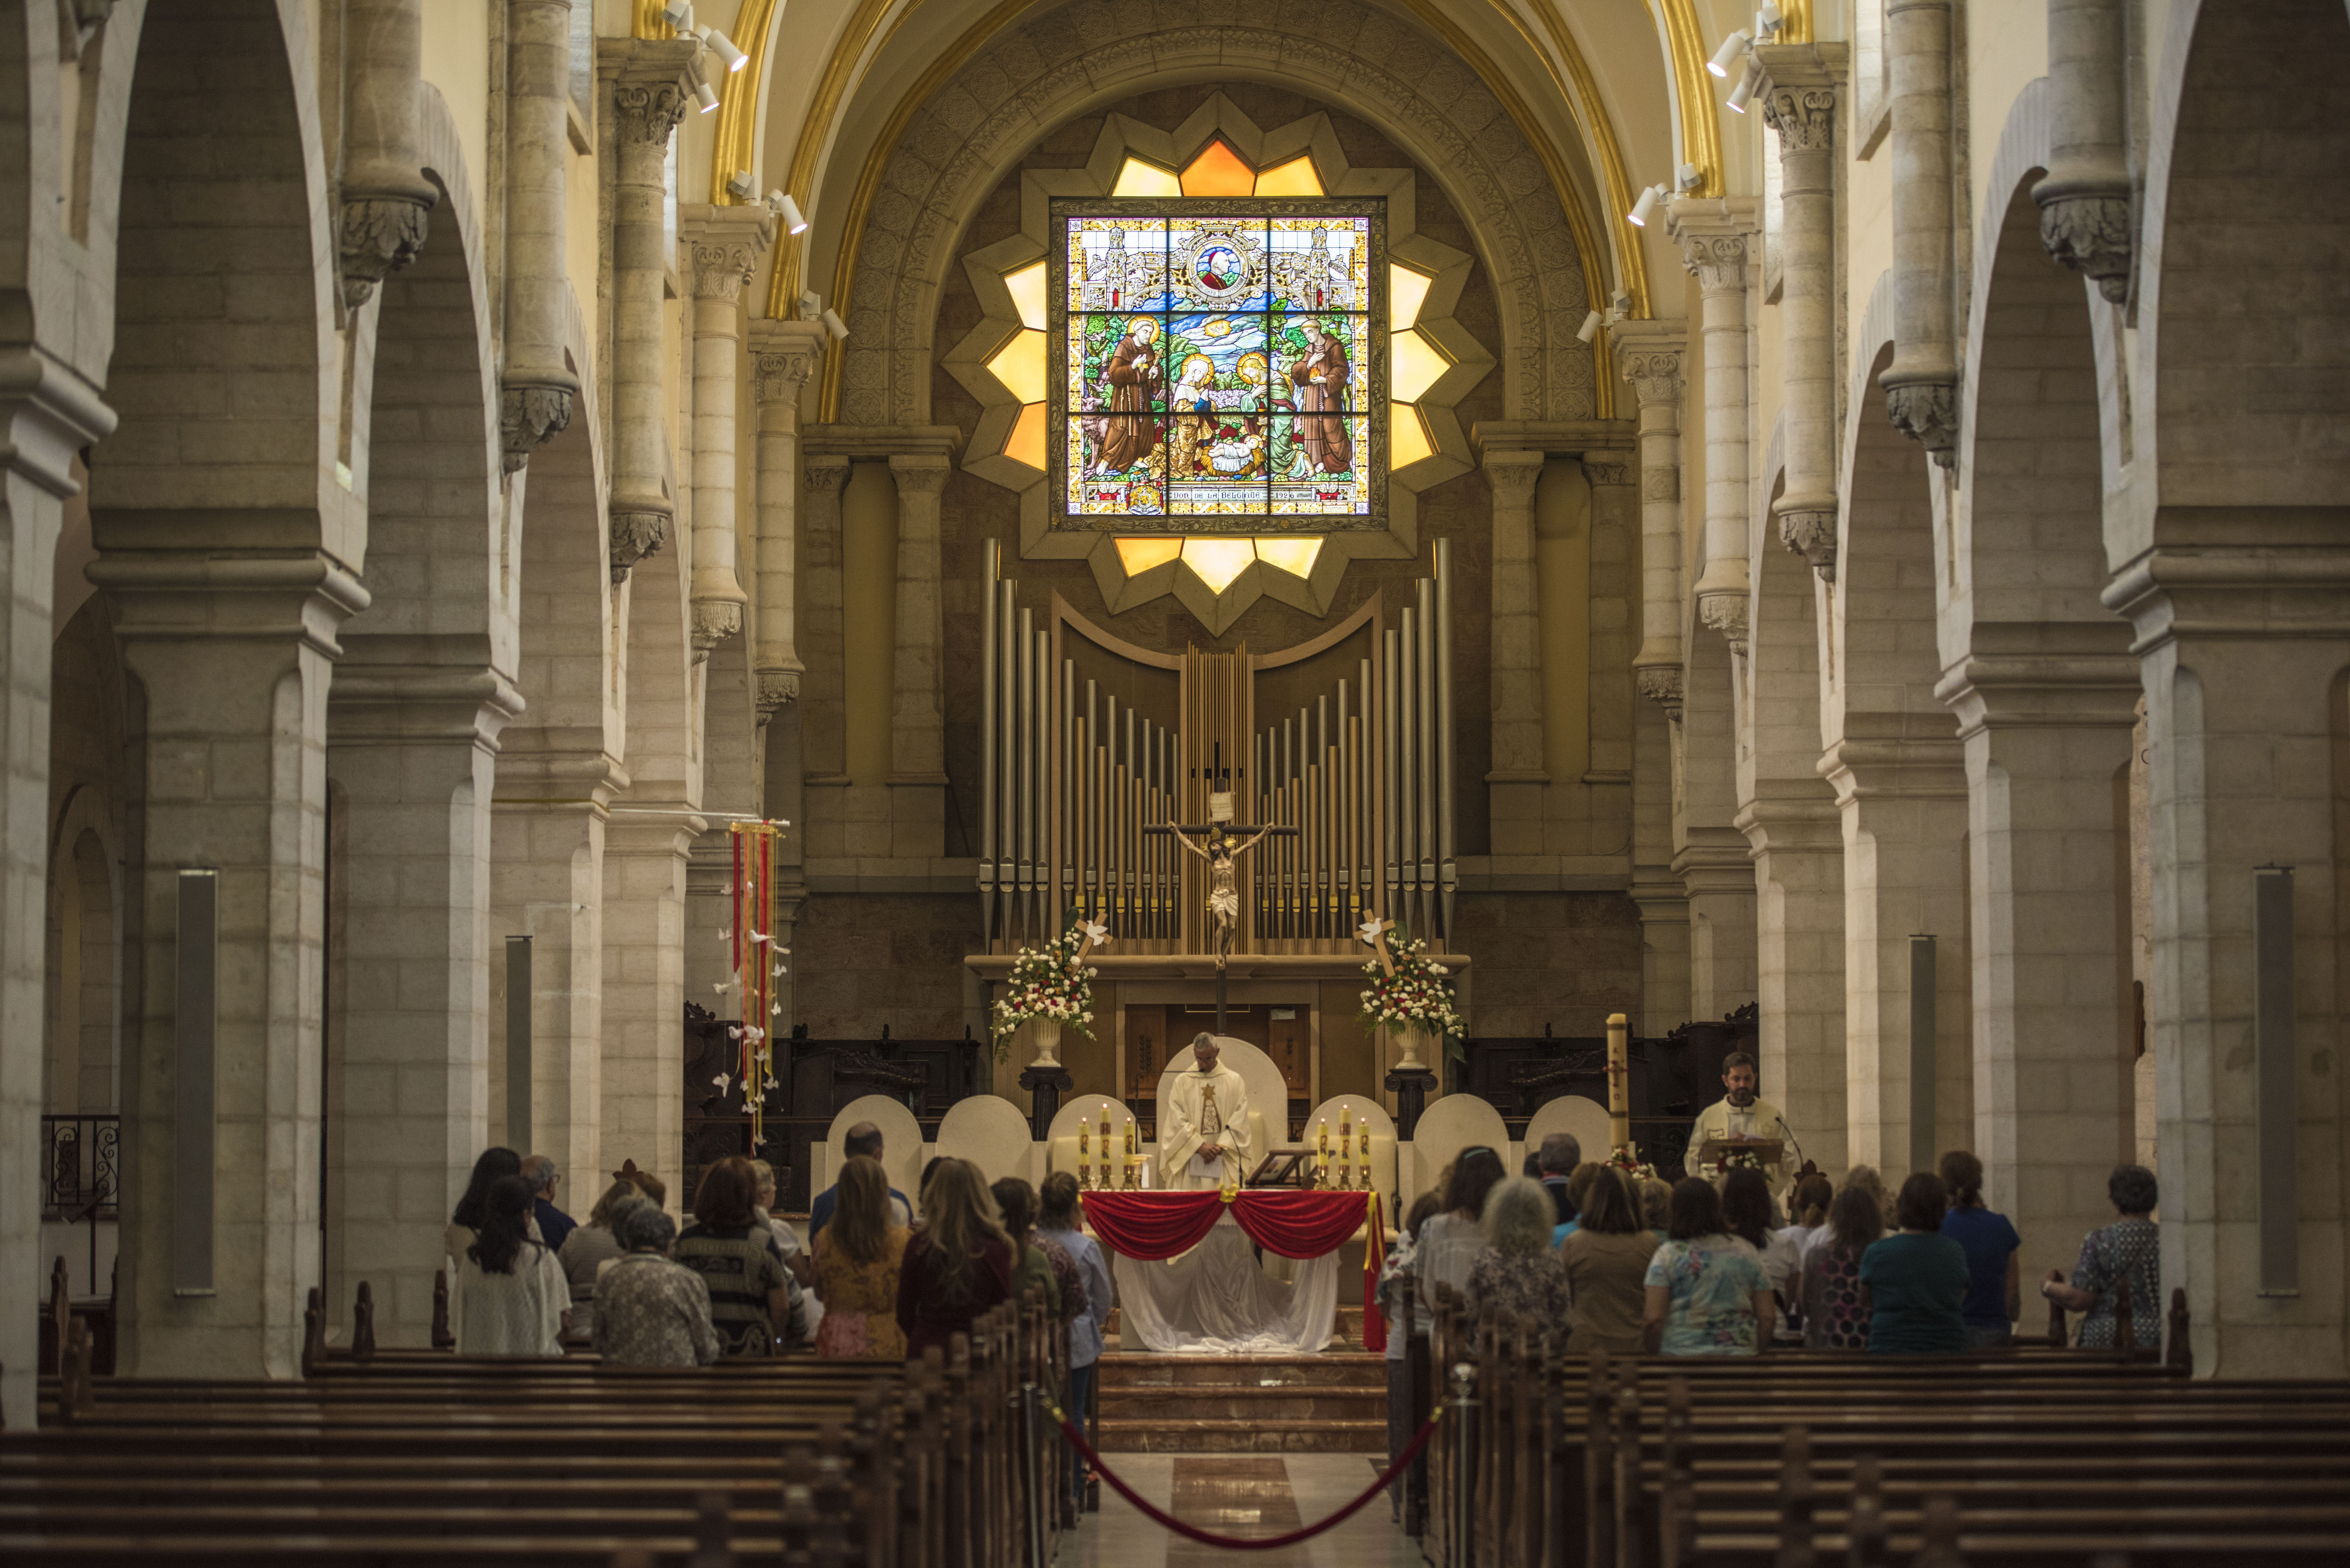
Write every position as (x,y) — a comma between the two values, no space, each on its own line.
(1335,1403)
(1348,1328)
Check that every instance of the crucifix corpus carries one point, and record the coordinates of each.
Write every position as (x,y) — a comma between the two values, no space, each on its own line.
(1220,844)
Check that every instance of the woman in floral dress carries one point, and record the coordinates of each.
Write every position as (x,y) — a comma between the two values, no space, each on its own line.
(1518,1272)
(2124,1255)
(857,1260)
(1706,1294)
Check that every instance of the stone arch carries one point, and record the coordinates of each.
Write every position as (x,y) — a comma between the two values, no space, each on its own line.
(2247,380)
(82,1062)
(1886,652)
(1091,53)
(223,314)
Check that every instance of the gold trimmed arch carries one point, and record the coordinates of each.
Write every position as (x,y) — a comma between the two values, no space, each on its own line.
(738,114)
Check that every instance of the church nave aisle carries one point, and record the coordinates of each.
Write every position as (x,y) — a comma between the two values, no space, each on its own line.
(1241,1495)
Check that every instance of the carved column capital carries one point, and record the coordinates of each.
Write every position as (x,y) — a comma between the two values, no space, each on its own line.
(1725,614)
(636,533)
(2090,233)
(528,417)
(919,474)
(721,269)
(825,474)
(1716,260)
(715,620)
(1662,684)
(1600,470)
(1927,413)
(644,113)
(1811,534)
(1804,118)
(776,686)
(785,355)
(1654,375)
(376,236)
(1513,476)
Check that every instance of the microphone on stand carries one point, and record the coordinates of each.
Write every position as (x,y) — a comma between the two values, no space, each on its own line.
(1793,1139)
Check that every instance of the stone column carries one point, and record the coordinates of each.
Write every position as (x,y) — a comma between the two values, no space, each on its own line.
(786,355)
(1799,897)
(918,759)
(2241,644)
(1902,791)
(385,198)
(1514,785)
(726,244)
(1921,385)
(412,750)
(1710,855)
(1712,238)
(649,98)
(1802,107)
(1650,354)
(537,388)
(2046,735)
(2084,198)
(647,852)
(45,422)
(824,721)
(231,652)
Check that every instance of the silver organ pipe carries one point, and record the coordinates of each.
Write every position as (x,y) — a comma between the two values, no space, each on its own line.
(991,687)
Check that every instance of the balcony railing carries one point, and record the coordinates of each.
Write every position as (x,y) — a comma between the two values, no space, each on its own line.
(81,1168)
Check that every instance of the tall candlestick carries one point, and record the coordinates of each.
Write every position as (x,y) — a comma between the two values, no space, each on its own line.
(1619,1092)
(1346,1154)
(1085,1154)
(1105,1147)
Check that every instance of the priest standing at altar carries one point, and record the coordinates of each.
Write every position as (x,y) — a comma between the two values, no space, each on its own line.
(1743,1113)
(1203,1126)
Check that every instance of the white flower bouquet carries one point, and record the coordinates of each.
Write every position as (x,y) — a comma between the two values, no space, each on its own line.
(1411,990)
(1051,982)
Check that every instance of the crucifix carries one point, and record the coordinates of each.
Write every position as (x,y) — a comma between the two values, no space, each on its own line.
(1221,843)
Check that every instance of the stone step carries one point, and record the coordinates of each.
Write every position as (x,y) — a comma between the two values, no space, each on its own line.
(1174,1435)
(1349,1328)
(1247,1406)
(1123,1370)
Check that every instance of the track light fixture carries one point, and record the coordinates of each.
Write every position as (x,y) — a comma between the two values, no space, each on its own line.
(1727,56)
(1589,329)
(703,93)
(678,15)
(732,59)
(1743,93)
(1645,205)
(741,186)
(794,222)
(835,324)
(1619,306)
(1688,178)
(1767,22)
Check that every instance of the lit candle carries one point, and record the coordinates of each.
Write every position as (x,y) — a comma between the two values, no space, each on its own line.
(1345,1151)
(1085,1154)
(1106,1145)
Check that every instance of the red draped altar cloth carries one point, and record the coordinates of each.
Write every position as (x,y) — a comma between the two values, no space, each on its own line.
(1150,1226)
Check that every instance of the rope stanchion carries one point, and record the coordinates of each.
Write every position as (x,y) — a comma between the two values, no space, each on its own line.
(1235,1543)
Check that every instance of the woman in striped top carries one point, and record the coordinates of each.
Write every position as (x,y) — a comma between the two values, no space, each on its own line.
(754,1300)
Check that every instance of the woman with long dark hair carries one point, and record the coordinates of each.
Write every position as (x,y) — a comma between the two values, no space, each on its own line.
(1747,1210)
(754,1299)
(1706,1295)
(1607,1263)
(958,1264)
(1452,1242)
(513,1297)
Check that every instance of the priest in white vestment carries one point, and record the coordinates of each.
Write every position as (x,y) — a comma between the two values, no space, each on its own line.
(1203,1136)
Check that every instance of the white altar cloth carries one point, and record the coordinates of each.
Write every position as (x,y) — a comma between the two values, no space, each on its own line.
(1217,1299)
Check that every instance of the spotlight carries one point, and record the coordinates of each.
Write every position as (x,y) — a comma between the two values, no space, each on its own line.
(789,211)
(1645,205)
(732,59)
(1619,306)
(1767,20)
(835,324)
(1744,91)
(741,186)
(678,15)
(703,93)
(1732,47)
(1691,177)
(1589,329)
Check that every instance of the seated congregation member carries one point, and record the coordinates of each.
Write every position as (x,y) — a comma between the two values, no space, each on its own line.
(553,1224)
(1451,1241)
(1747,1210)
(1015,1205)
(651,1312)
(856,1261)
(1518,1272)
(1835,1317)
(1917,1277)
(1657,1206)
(958,1265)
(1056,1225)
(787,1240)
(922,1187)
(1559,1156)
(512,1296)
(589,1246)
(754,1300)
(1579,1185)
(864,1139)
(1606,1264)
(1807,1204)
(1994,1265)
(466,1223)
(2126,1254)
(1395,1277)
(1706,1295)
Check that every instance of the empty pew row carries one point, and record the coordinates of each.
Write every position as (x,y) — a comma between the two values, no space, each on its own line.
(403,1458)
(2025,1456)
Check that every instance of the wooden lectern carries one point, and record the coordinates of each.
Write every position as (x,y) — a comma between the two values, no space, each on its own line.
(1768,1152)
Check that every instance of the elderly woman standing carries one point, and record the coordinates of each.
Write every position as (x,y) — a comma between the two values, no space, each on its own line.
(1519,1272)
(589,1246)
(2126,1254)
(653,1312)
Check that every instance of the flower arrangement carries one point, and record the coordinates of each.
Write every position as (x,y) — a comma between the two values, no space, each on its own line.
(1627,1158)
(1409,989)
(1052,981)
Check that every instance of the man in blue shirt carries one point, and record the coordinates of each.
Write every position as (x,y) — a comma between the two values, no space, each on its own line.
(864,1139)
(1561,1153)
(553,1224)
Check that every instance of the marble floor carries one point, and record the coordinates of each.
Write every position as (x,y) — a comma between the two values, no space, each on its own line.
(1240,1495)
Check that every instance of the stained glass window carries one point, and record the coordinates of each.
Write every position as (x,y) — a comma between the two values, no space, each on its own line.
(1223,364)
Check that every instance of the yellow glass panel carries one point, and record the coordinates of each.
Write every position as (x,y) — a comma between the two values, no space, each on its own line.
(1027,286)
(1020,366)
(1218,561)
(1139,555)
(1407,439)
(1294,553)
(1407,291)
(1294,178)
(1219,172)
(1140,179)
(1413,366)
(1027,442)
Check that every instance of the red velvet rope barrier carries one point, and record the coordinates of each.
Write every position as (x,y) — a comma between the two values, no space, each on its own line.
(1235,1543)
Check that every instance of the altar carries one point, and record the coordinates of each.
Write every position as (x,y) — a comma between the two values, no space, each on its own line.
(1190,1282)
